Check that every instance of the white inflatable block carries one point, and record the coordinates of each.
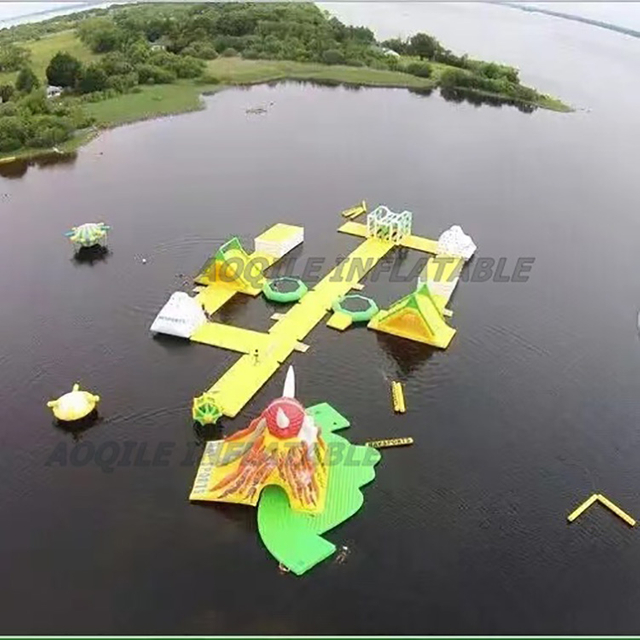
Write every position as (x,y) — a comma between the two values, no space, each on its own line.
(180,316)
(455,242)
(279,239)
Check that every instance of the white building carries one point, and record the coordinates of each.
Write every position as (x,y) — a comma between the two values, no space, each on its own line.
(53,91)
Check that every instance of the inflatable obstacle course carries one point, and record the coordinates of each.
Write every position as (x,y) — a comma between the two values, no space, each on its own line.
(231,271)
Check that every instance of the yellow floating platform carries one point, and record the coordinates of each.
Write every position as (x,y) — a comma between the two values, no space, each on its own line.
(420,244)
(279,232)
(229,337)
(391,442)
(240,383)
(214,297)
(397,396)
(410,242)
(340,321)
(598,497)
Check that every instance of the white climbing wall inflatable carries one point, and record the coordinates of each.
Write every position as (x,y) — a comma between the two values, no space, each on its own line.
(180,317)
(455,242)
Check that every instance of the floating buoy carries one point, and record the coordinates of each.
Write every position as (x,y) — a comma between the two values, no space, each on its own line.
(74,405)
(397,396)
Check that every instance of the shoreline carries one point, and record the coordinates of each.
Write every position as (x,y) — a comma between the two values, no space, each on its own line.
(190,96)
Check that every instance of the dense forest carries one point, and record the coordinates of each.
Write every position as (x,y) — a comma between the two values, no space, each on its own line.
(135,45)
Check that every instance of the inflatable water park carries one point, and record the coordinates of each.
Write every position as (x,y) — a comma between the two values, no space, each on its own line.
(290,462)
(420,316)
(282,462)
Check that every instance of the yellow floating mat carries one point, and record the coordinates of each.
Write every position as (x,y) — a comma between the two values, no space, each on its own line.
(598,497)
(420,244)
(391,442)
(240,383)
(354,229)
(227,336)
(214,296)
(340,321)
(617,510)
(397,395)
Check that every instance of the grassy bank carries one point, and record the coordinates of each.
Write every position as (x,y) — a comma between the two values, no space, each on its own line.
(80,139)
(237,71)
(151,101)
(184,96)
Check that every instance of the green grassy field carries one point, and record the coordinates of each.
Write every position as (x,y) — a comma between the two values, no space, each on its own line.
(44,49)
(238,71)
(150,102)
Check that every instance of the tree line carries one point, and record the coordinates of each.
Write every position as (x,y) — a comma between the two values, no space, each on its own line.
(161,43)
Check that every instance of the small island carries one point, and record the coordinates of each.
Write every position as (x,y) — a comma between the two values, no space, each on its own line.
(64,79)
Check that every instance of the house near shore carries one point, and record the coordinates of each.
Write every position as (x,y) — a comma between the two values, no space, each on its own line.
(53,91)
(160,44)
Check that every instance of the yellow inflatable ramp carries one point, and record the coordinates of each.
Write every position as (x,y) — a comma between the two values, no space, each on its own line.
(340,321)
(229,337)
(397,396)
(415,317)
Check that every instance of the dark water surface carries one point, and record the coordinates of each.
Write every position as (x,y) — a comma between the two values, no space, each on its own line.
(532,408)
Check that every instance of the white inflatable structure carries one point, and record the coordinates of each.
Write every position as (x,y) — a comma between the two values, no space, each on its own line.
(180,317)
(455,242)
(279,240)
(442,276)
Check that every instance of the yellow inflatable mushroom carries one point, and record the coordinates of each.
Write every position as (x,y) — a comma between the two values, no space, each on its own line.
(74,405)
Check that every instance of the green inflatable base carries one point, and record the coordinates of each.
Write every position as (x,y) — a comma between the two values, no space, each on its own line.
(293,538)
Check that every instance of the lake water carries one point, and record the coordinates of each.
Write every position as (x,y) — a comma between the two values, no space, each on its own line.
(532,408)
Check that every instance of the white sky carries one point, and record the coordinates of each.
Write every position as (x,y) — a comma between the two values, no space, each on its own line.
(621,13)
